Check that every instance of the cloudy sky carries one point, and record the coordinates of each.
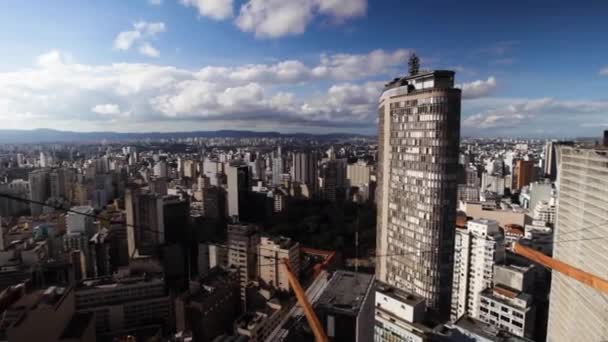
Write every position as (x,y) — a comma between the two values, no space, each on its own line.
(526,68)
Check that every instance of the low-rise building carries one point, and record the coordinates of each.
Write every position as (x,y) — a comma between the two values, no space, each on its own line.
(210,306)
(125,304)
(346,307)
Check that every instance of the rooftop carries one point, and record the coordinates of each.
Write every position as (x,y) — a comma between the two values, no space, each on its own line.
(346,292)
(485,330)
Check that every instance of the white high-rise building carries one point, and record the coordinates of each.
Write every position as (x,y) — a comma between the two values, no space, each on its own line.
(577,312)
(477,249)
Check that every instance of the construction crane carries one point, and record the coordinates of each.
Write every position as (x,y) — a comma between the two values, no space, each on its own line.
(563,268)
(310,314)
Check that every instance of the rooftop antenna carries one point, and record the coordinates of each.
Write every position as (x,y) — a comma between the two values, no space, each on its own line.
(413,64)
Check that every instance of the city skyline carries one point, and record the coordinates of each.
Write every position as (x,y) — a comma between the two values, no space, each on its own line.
(320,66)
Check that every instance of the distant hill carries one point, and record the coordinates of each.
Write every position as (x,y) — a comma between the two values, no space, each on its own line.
(43,135)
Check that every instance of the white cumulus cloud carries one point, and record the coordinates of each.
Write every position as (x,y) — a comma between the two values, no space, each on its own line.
(278,18)
(604,71)
(214,9)
(148,50)
(479,88)
(140,35)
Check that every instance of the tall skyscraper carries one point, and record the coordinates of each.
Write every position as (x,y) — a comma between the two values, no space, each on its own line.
(304,169)
(39,190)
(334,179)
(277,170)
(576,311)
(419,136)
(145,222)
(238,182)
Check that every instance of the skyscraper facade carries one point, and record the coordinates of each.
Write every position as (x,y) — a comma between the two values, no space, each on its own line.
(578,312)
(238,182)
(419,135)
(304,169)
(39,190)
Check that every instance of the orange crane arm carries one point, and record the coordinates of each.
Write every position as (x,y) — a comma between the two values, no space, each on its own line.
(563,268)
(312,318)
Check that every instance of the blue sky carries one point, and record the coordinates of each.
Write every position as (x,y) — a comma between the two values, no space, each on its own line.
(535,68)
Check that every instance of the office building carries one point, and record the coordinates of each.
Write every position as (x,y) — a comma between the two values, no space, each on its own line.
(277,170)
(477,249)
(243,241)
(238,187)
(493,183)
(304,169)
(49,315)
(80,221)
(346,307)
(507,305)
(210,306)
(125,304)
(271,253)
(399,316)
(524,173)
(358,173)
(39,190)
(576,311)
(145,222)
(419,136)
(334,179)
(160,169)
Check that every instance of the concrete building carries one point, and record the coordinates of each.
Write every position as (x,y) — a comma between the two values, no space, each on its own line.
(258,325)
(123,305)
(238,184)
(271,252)
(190,169)
(399,316)
(358,173)
(39,189)
(477,250)
(243,241)
(48,315)
(80,221)
(334,179)
(277,170)
(346,307)
(545,211)
(524,173)
(160,169)
(469,191)
(576,313)
(507,305)
(503,215)
(304,169)
(218,255)
(419,135)
(493,183)
(145,222)
(209,307)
